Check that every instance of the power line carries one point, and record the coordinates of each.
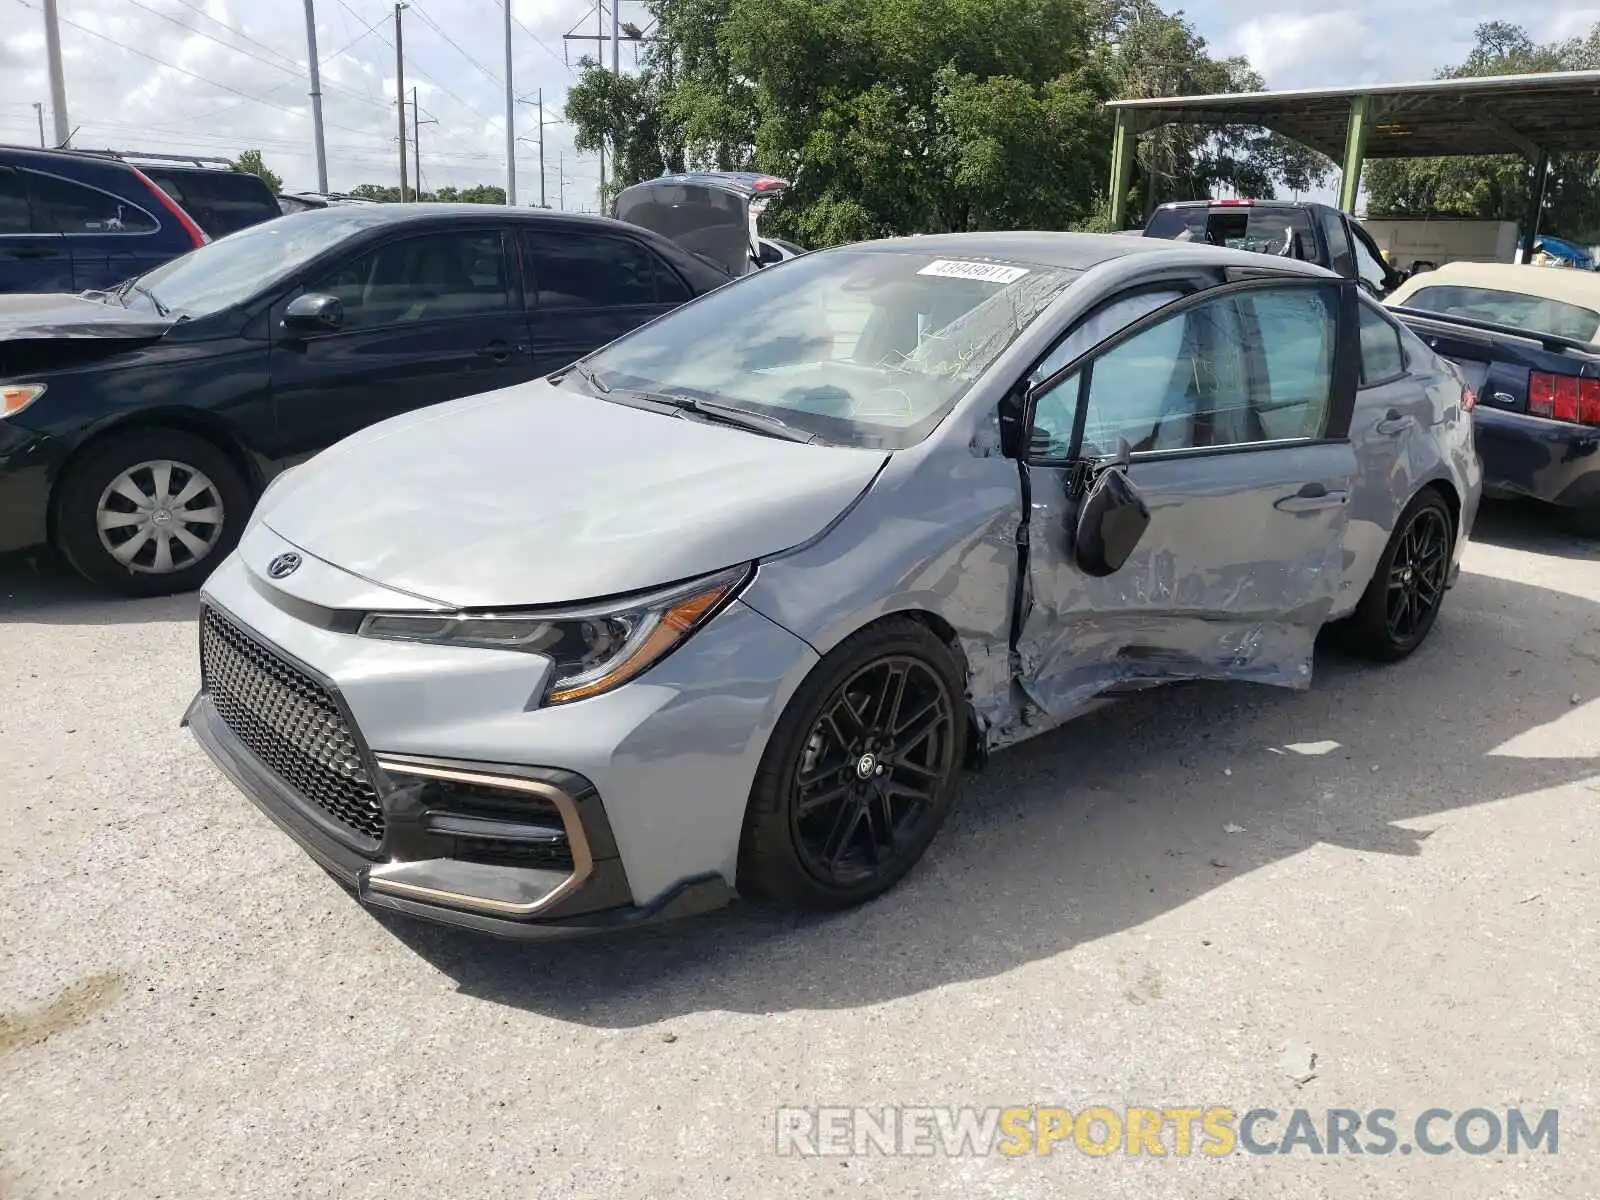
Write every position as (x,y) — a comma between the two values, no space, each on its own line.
(539,41)
(238,33)
(160,62)
(433,25)
(416,70)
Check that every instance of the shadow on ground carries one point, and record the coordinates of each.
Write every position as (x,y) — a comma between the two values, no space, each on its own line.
(1114,820)
(38,588)
(1538,529)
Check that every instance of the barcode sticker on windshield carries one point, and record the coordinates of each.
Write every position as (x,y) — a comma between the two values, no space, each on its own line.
(949,268)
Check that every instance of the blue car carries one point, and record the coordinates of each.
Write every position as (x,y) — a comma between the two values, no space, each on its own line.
(72,221)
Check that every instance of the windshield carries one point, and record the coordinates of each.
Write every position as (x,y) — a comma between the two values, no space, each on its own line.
(1534,313)
(234,268)
(858,347)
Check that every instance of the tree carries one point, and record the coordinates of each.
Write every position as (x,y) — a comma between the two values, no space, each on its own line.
(250,161)
(906,116)
(1154,53)
(1498,187)
(483,193)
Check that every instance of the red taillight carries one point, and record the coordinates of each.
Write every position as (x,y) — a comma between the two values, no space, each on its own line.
(196,234)
(1469,399)
(1233,203)
(1589,401)
(1564,398)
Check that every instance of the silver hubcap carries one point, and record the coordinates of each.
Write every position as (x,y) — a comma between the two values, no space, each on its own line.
(160,516)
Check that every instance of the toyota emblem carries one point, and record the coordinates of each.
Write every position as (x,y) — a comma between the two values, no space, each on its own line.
(283,566)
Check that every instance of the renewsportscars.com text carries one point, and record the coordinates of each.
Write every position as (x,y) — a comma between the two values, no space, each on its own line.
(1180,1131)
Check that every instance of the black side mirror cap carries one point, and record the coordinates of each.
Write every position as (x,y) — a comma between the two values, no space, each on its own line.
(1111,524)
(313,313)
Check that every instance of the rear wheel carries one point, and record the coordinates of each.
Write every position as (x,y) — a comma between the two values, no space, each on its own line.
(151,513)
(1402,600)
(860,773)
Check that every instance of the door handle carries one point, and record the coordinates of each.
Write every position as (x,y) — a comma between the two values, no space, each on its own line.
(496,351)
(1393,424)
(1311,497)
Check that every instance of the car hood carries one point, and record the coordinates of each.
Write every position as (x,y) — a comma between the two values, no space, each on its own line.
(47,315)
(537,495)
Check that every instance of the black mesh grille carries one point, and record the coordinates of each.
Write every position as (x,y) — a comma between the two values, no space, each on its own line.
(290,722)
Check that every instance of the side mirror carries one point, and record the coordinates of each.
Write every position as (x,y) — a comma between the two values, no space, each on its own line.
(313,313)
(1110,524)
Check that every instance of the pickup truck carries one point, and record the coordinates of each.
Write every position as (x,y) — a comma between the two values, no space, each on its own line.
(1311,232)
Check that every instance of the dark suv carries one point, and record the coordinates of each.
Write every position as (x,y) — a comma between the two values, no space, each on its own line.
(71,221)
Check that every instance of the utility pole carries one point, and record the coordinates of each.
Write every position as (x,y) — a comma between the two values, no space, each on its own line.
(600,41)
(542,203)
(316,97)
(38,111)
(400,96)
(416,139)
(616,37)
(561,180)
(511,120)
(58,82)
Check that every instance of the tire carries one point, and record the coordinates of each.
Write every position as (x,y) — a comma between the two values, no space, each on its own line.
(152,465)
(815,749)
(1415,566)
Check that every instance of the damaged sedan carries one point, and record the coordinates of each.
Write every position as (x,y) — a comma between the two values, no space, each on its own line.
(728,606)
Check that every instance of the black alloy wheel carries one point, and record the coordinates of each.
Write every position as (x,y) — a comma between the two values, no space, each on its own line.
(872,770)
(860,770)
(1418,572)
(1403,598)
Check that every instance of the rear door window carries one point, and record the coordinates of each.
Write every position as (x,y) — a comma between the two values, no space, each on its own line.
(1369,265)
(1381,356)
(1340,256)
(584,270)
(221,202)
(67,207)
(15,214)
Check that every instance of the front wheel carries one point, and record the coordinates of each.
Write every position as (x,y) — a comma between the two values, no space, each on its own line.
(861,771)
(150,513)
(1402,600)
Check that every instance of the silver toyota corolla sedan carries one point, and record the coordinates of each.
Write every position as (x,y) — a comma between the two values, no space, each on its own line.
(729,605)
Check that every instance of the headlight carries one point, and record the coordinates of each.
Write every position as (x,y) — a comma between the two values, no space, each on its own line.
(594,648)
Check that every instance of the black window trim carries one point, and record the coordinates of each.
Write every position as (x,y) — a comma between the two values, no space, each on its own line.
(1377,310)
(78,183)
(526,269)
(338,257)
(1343,381)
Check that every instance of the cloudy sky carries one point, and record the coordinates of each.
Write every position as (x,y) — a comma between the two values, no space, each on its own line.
(219,76)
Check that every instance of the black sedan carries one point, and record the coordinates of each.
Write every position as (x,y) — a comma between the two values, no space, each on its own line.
(138,425)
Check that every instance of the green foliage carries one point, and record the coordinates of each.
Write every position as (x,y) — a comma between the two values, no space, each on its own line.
(483,193)
(908,116)
(250,161)
(1498,187)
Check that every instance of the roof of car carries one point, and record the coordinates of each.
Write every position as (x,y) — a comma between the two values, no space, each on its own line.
(1548,283)
(401,214)
(1080,251)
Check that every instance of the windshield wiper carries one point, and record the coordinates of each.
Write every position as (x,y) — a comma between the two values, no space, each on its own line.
(728,414)
(161,309)
(588,376)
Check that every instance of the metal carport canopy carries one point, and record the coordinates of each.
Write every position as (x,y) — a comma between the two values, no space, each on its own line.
(1531,115)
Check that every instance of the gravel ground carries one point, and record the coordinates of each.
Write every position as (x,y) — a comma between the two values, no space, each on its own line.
(1199,897)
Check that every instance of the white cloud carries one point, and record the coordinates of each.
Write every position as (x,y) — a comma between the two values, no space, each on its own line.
(252,86)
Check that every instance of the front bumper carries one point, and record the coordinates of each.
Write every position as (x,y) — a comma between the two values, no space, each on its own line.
(478,808)
(26,464)
(1542,459)
(525,903)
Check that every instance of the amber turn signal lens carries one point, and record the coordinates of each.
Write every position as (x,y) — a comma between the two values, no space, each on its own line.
(14,397)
